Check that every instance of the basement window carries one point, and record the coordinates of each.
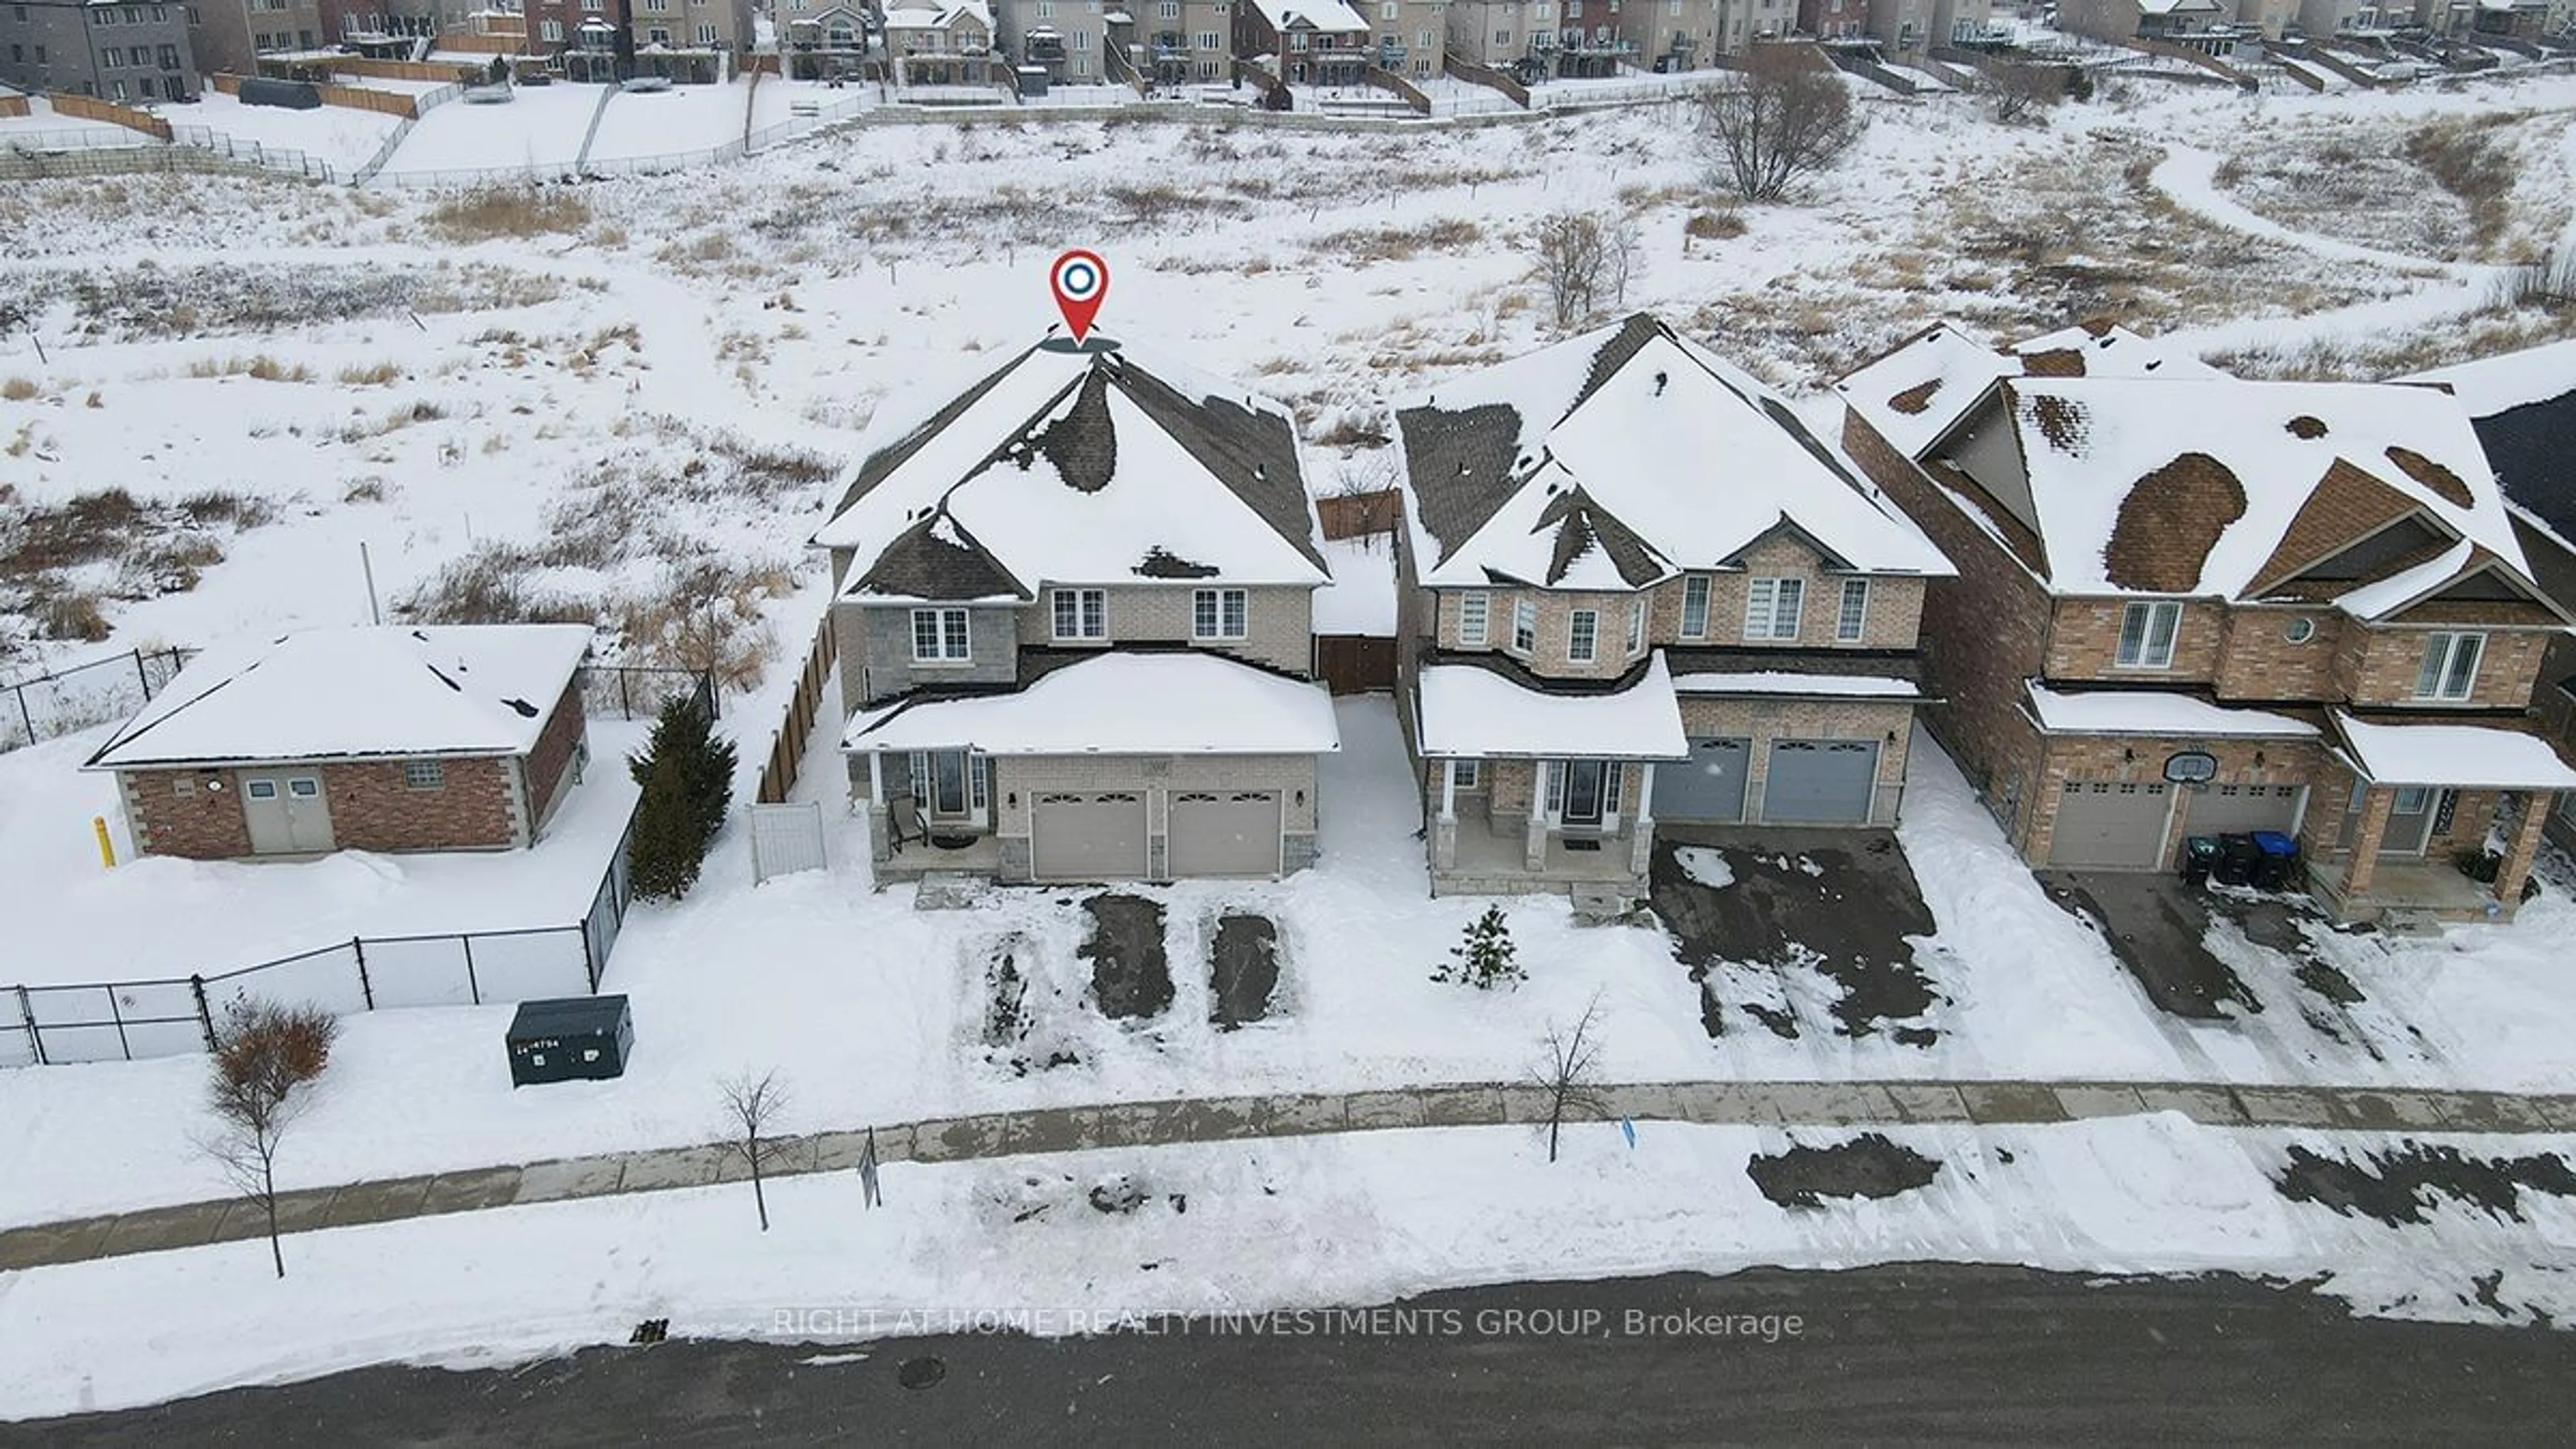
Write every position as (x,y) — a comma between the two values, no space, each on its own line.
(424,775)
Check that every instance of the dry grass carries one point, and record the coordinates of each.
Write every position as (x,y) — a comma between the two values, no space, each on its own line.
(506,211)
(2466,159)
(262,367)
(18,389)
(70,614)
(1723,224)
(375,376)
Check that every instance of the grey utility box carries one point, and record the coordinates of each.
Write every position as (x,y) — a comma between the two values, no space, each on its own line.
(570,1038)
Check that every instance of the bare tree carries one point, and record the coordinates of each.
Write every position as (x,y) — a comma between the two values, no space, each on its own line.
(752,1109)
(265,1054)
(1584,262)
(2014,90)
(1570,1074)
(1788,117)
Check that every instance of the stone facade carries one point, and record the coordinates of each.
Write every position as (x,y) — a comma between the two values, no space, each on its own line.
(1279,622)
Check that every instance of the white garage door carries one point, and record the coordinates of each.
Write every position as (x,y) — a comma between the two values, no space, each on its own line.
(2241,809)
(1224,833)
(1820,782)
(1094,836)
(2110,825)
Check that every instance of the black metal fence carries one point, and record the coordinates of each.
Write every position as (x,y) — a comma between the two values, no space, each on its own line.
(130,1020)
(70,700)
(632,692)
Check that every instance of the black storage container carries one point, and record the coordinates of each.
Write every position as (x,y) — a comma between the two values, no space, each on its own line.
(569,1038)
(2199,852)
(2237,859)
(2280,859)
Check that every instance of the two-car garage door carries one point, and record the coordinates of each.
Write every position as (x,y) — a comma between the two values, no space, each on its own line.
(1809,782)
(1100,835)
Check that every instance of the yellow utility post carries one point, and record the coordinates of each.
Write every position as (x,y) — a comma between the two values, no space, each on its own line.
(106,846)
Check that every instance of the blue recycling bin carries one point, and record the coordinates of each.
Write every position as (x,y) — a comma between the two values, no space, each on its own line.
(2278,862)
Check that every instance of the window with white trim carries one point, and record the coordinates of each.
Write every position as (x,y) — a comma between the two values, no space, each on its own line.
(1465,773)
(1472,611)
(939,635)
(1081,613)
(424,775)
(1636,627)
(1582,633)
(1524,625)
(1695,607)
(1853,617)
(1219,614)
(1771,607)
(2450,667)
(2147,635)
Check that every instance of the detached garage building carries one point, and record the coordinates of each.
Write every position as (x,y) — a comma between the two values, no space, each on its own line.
(388,738)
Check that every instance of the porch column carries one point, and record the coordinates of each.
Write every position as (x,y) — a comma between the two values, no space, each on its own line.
(1641,833)
(880,820)
(1448,789)
(2526,844)
(1534,846)
(2365,842)
(1444,831)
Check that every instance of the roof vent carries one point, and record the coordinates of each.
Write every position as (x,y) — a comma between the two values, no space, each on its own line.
(525,709)
(1660,380)
(2304,426)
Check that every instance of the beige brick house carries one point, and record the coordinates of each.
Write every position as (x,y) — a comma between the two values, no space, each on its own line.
(387,738)
(1074,609)
(1635,588)
(2192,605)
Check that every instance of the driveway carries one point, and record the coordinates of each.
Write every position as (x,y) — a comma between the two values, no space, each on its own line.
(2158,926)
(1797,930)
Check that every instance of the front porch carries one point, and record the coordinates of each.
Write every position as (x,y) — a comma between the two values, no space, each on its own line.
(944,853)
(2396,890)
(2417,799)
(1474,855)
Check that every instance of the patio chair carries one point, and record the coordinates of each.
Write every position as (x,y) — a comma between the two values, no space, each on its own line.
(903,822)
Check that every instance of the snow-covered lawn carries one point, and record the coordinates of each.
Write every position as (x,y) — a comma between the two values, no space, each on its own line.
(540,127)
(1290,1224)
(341,136)
(43,126)
(678,121)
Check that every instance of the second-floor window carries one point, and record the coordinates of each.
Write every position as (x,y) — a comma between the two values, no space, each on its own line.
(2147,635)
(1524,625)
(1582,633)
(1636,627)
(1695,607)
(1081,613)
(1853,617)
(1471,620)
(1771,608)
(1219,614)
(2450,667)
(939,634)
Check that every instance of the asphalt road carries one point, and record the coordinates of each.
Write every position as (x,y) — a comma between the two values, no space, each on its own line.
(1884,1354)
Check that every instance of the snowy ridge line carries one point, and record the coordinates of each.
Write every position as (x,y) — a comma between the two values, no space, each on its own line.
(1172,1122)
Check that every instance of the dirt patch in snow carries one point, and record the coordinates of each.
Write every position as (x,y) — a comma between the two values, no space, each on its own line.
(1023,1012)
(2405,1185)
(1817,916)
(1867,1166)
(1131,976)
(1243,970)
(2158,927)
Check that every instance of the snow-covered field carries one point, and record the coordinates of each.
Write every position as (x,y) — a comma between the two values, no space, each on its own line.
(668,123)
(1297,1223)
(540,127)
(340,136)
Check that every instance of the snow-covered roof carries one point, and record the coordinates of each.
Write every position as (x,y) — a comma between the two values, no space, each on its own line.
(325,694)
(1915,393)
(2491,385)
(1835,686)
(2195,486)
(1361,597)
(1119,704)
(1470,712)
(2155,712)
(1622,457)
(1099,464)
(1329,16)
(2460,757)
(937,17)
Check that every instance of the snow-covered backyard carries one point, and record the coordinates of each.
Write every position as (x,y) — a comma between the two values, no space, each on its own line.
(341,137)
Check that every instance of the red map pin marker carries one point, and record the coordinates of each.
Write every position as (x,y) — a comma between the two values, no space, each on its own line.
(1080,280)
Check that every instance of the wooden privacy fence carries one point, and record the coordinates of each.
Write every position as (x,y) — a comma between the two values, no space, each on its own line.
(13,107)
(354,98)
(787,746)
(90,108)
(1358,515)
(410,70)
(1355,663)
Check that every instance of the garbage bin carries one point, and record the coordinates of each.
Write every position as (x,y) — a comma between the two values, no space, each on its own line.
(2198,853)
(2280,860)
(565,1038)
(2237,858)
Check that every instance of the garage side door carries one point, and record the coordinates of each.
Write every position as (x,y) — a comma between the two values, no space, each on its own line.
(1709,786)
(1820,782)
(2240,809)
(1094,836)
(1224,833)
(2110,825)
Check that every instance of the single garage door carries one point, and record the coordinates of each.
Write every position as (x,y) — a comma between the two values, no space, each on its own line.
(1820,782)
(2110,825)
(2241,809)
(1708,786)
(1097,836)
(1224,833)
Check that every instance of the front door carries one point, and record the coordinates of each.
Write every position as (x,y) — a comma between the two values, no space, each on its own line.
(2410,821)
(1583,794)
(286,813)
(948,783)
(951,786)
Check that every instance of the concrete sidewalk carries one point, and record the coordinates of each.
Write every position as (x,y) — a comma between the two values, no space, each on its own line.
(1222,1119)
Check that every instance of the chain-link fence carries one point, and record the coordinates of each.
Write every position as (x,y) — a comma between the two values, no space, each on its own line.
(70,700)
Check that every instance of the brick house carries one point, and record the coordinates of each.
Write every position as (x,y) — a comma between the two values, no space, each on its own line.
(1634,588)
(941,44)
(2192,605)
(464,737)
(1308,42)
(1074,609)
